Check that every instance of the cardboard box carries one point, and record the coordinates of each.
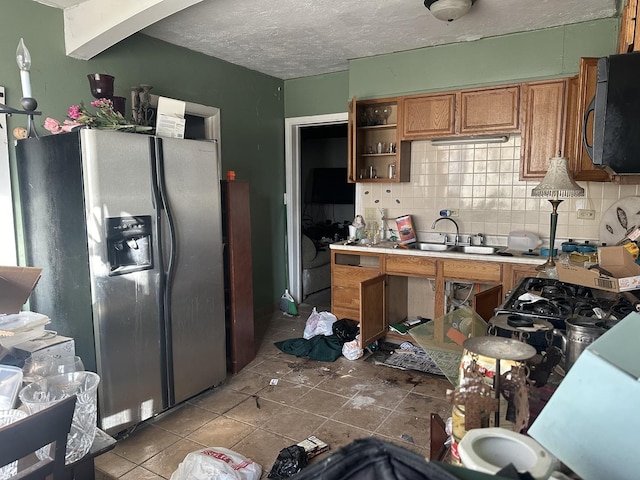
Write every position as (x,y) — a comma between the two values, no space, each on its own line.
(51,344)
(616,271)
(16,284)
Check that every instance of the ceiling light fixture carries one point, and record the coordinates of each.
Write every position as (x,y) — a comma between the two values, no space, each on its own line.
(470,140)
(448,10)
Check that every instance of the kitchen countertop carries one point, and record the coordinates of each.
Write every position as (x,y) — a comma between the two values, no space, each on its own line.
(387,247)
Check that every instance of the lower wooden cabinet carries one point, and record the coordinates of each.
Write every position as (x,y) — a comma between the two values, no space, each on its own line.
(348,271)
(514,272)
(373,289)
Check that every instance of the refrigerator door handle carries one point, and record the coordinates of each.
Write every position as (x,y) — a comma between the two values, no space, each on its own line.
(162,191)
(170,270)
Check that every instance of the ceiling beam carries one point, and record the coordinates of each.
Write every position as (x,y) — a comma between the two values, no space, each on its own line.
(93,26)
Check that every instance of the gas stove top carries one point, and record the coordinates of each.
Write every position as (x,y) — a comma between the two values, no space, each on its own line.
(555,301)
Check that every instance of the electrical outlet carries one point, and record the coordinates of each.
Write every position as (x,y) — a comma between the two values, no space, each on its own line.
(585,214)
(453,213)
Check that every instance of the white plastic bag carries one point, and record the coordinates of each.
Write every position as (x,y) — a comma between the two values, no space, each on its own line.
(319,323)
(352,350)
(217,463)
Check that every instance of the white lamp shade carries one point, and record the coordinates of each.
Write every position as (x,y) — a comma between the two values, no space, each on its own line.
(557,183)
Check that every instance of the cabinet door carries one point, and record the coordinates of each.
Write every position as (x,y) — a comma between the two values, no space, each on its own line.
(580,162)
(375,155)
(428,116)
(489,110)
(514,272)
(543,116)
(373,323)
(629,37)
(352,170)
(485,302)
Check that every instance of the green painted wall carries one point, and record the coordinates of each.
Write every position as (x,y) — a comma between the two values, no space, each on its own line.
(252,111)
(316,95)
(553,52)
(253,105)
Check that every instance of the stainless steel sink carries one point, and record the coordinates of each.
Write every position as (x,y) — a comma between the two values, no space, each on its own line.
(432,247)
(476,249)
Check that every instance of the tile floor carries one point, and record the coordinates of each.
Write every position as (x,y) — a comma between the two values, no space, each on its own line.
(337,401)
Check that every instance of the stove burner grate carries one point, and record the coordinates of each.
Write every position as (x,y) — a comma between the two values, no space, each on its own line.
(563,300)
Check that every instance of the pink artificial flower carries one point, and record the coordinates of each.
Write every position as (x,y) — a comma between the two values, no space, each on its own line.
(55,127)
(102,103)
(74,112)
(69,125)
(52,125)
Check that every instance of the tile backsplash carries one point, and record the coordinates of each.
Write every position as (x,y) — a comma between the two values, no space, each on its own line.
(481,182)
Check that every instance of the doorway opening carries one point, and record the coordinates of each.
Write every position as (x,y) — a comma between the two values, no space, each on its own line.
(315,147)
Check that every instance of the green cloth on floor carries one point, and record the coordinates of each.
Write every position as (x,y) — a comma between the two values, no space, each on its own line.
(322,348)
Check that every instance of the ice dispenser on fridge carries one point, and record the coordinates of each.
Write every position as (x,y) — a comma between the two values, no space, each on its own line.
(129,244)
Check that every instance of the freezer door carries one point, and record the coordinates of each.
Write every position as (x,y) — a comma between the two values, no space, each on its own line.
(117,171)
(196,285)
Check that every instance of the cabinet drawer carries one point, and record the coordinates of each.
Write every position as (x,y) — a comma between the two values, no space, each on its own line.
(351,276)
(346,297)
(411,265)
(475,271)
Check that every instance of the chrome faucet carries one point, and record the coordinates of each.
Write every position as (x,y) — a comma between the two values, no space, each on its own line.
(433,225)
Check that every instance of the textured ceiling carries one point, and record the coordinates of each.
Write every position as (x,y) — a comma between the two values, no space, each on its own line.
(297,38)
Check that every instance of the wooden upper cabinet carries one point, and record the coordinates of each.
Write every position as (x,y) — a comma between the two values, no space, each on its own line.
(489,110)
(375,152)
(581,91)
(542,117)
(428,116)
(629,38)
(463,112)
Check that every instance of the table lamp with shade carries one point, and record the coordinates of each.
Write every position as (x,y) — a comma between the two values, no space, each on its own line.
(556,185)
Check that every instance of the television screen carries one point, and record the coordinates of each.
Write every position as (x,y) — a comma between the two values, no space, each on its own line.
(329,185)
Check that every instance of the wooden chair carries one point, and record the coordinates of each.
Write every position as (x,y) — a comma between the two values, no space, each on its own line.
(24,437)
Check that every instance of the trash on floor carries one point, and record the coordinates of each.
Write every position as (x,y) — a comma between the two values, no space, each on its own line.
(346,329)
(321,348)
(290,461)
(295,457)
(324,346)
(319,323)
(353,350)
(408,356)
(217,463)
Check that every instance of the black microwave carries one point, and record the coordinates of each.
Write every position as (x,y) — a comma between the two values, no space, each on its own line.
(616,115)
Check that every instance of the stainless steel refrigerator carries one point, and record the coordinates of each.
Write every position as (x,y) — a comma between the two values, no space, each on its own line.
(127,229)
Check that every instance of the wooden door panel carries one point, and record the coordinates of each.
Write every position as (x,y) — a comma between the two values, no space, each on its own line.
(428,116)
(490,110)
